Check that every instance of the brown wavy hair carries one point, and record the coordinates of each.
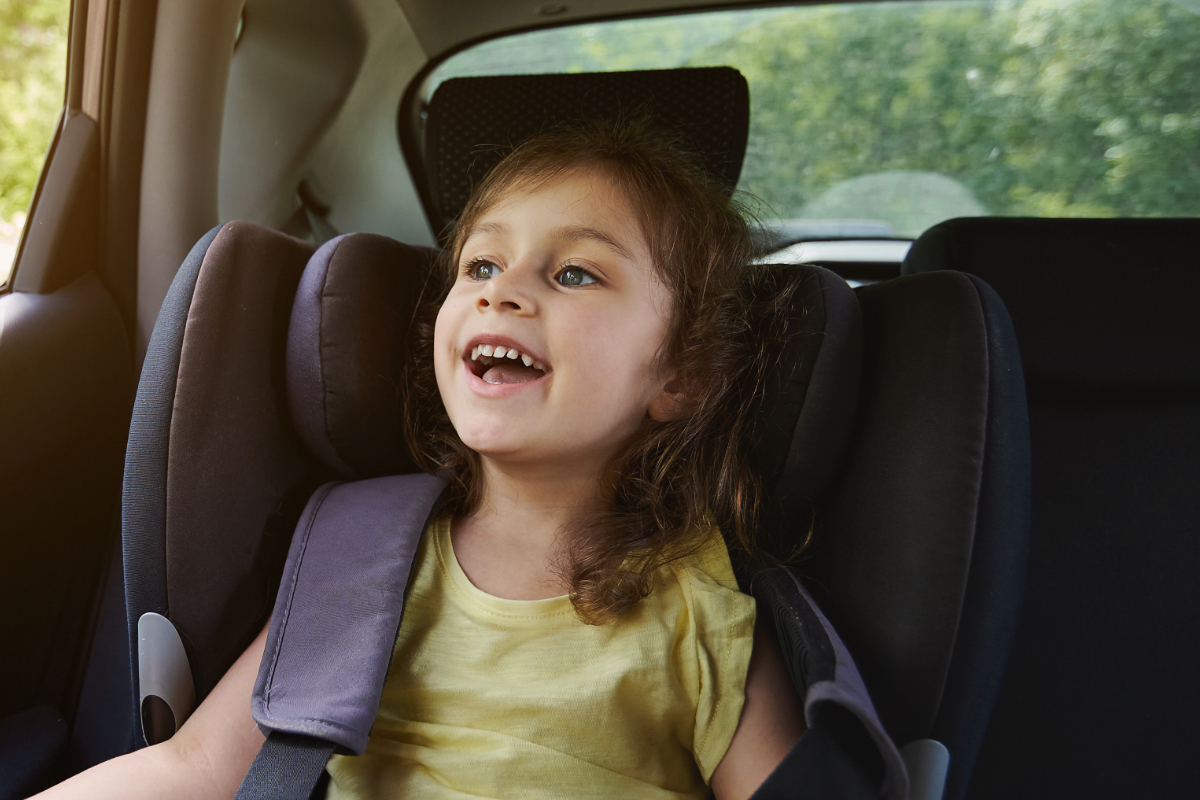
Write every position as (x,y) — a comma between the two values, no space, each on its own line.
(672,479)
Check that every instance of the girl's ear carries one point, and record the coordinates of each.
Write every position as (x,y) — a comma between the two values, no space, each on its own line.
(672,403)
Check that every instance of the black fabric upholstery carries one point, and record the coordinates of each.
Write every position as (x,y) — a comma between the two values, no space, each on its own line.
(32,742)
(999,553)
(1100,691)
(235,468)
(928,520)
(834,760)
(804,430)
(475,122)
(144,496)
(1108,303)
(104,726)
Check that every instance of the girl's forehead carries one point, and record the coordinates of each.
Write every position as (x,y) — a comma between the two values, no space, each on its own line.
(585,193)
(601,185)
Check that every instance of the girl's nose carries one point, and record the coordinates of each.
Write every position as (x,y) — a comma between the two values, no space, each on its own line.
(506,292)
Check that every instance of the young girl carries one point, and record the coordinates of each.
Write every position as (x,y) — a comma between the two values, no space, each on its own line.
(573,627)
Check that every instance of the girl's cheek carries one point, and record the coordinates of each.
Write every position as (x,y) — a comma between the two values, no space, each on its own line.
(442,351)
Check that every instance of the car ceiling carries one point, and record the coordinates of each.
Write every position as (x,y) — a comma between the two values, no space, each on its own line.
(441,25)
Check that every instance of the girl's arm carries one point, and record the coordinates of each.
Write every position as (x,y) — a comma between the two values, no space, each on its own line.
(207,758)
(771,722)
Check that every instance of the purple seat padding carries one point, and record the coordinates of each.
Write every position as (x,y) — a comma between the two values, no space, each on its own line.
(339,608)
(347,348)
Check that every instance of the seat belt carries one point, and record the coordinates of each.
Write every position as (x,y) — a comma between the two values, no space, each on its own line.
(338,613)
(288,766)
(335,622)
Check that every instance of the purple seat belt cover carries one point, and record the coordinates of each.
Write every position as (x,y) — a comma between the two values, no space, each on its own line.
(339,608)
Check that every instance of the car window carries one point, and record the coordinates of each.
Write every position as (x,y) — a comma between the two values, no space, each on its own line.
(33,70)
(882,119)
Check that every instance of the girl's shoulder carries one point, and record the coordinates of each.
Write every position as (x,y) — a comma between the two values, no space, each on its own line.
(700,589)
(713,637)
(708,563)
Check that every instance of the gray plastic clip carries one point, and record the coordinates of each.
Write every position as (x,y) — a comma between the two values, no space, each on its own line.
(927,761)
(166,693)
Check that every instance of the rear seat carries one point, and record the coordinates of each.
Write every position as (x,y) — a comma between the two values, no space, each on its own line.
(1101,693)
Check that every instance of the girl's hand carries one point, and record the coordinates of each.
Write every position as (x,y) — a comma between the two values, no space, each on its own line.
(772,721)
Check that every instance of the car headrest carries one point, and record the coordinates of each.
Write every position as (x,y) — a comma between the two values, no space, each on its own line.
(350,328)
(474,122)
(346,348)
(1057,278)
(803,432)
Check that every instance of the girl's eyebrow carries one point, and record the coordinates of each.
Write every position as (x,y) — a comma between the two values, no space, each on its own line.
(575,233)
(567,233)
(486,228)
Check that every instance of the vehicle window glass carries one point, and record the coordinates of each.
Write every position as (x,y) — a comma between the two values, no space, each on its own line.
(33,71)
(881,119)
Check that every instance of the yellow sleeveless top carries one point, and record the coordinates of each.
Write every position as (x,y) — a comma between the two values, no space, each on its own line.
(496,698)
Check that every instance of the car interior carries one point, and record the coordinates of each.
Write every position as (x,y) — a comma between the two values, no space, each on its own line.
(989,417)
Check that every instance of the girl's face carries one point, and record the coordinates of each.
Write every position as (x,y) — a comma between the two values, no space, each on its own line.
(556,283)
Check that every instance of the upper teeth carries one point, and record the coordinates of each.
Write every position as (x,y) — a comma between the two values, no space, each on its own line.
(499,351)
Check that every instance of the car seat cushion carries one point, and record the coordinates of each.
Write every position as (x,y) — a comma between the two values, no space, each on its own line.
(232,454)
(347,351)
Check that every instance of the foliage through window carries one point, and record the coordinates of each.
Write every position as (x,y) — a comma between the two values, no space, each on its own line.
(33,68)
(890,117)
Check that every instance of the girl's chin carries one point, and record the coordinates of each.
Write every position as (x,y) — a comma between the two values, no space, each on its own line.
(491,445)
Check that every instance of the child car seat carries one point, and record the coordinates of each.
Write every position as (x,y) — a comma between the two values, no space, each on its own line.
(332,415)
(211,571)
(1100,695)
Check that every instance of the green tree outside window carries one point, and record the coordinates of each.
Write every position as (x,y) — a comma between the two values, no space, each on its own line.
(33,60)
(910,113)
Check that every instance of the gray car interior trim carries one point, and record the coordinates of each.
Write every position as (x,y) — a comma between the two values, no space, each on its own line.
(163,669)
(189,70)
(927,761)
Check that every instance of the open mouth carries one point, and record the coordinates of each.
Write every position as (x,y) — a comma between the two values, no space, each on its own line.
(496,364)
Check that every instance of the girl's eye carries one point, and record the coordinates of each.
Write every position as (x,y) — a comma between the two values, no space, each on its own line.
(575,276)
(482,270)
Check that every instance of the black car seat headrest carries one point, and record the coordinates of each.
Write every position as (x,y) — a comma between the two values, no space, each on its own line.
(806,423)
(918,557)
(474,122)
(1095,302)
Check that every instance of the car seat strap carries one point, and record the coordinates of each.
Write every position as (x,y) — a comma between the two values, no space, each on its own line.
(288,765)
(337,613)
(846,749)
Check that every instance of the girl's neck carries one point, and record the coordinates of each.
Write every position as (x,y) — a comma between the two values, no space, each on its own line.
(532,504)
(512,545)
